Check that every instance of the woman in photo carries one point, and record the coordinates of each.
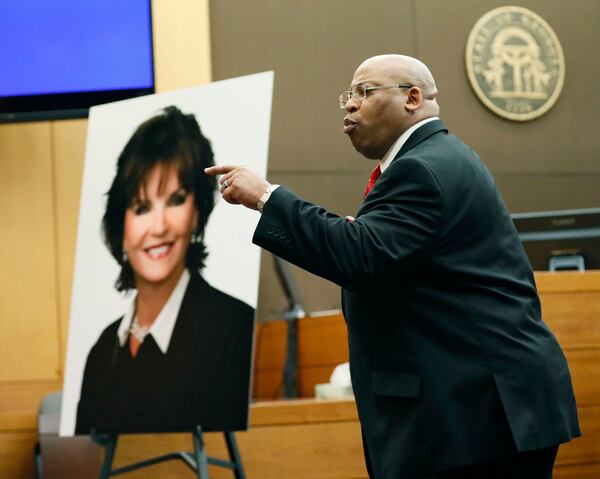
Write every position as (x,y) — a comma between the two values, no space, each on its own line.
(181,356)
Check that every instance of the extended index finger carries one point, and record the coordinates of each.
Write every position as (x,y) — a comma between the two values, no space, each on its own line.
(219,169)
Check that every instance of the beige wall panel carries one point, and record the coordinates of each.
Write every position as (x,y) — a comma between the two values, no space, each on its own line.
(564,140)
(549,191)
(338,191)
(28,312)
(69,153)
(313,46)
(181,43)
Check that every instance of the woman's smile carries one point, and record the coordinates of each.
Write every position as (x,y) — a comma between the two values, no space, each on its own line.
(159,251)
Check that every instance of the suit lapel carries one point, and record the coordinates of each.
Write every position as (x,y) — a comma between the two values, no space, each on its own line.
(421,134)
(189,319)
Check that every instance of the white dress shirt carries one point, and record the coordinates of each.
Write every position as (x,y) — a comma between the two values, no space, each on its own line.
(162,327)
(399,143)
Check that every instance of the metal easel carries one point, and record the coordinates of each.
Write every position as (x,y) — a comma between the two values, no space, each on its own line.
(294,312)
(198,461)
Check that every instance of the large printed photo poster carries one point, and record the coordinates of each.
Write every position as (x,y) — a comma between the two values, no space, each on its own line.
(166,277)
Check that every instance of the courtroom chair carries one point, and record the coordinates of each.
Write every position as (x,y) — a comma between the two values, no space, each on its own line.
(48,423)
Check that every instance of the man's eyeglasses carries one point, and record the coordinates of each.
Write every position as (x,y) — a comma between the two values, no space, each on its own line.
(359,92)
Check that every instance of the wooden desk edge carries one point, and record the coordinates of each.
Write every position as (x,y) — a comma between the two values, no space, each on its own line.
(262,414)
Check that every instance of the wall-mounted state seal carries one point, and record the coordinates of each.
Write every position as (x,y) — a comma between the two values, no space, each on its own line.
(515,63)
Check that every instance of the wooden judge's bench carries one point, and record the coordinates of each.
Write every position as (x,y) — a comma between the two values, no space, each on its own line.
(308,439)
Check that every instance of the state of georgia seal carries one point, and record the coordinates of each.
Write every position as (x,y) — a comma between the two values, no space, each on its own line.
(515,63)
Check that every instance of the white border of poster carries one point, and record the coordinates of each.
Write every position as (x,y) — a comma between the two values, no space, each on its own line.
(235,116)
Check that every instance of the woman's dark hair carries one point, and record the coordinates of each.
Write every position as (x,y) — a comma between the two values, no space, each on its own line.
(169,139)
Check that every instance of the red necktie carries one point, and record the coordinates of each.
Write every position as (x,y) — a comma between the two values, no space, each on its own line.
(376,173)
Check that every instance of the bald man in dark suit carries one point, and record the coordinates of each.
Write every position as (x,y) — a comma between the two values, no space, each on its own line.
(454,372)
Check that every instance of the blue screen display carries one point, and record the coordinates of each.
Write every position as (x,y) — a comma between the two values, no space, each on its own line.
(69,46)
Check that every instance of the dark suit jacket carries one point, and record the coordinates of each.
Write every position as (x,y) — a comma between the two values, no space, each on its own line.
(451,363)
(204,379)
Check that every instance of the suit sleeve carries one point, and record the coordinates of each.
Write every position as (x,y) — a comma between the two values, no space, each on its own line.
(396,225)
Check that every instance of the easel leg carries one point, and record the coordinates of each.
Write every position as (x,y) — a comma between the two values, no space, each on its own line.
(109,454)
(200,452)
(234,454)
(198,461)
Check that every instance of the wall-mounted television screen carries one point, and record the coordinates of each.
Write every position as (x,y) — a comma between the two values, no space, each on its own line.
(557,240)
(60,57)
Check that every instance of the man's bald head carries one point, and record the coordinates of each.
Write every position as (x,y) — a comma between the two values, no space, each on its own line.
(404,69)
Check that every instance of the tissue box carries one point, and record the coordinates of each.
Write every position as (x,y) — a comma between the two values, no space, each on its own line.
(332,391)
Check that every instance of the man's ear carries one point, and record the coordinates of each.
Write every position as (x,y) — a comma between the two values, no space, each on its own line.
(414,99)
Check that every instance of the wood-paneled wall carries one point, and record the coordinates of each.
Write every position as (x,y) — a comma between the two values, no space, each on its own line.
(40,180)
(571,307)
